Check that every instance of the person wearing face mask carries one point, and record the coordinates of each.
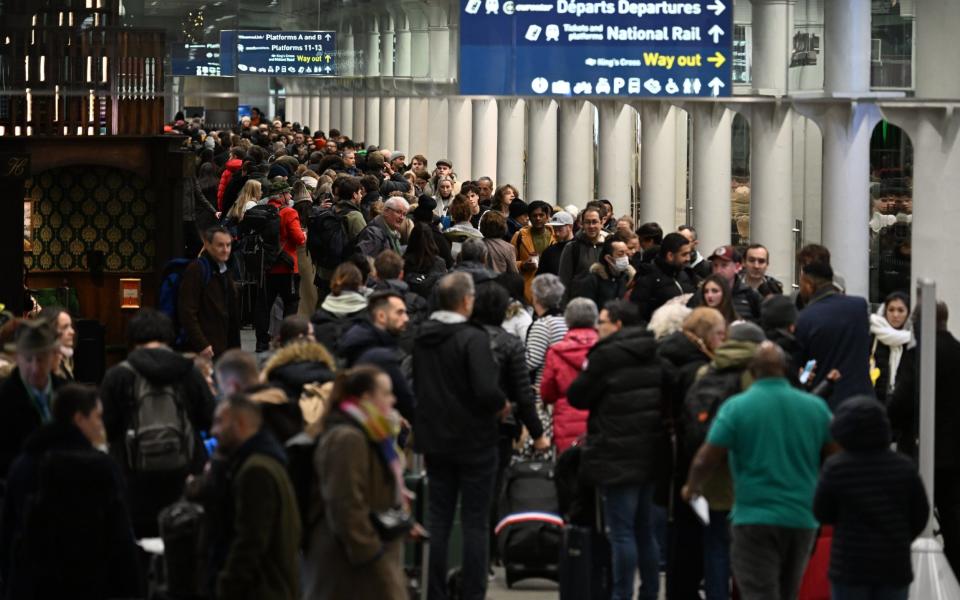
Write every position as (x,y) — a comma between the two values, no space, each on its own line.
(609,278)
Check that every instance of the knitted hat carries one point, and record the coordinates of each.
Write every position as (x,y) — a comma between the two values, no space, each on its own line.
(778,312)
(518,207)
(425,207)
(745,331)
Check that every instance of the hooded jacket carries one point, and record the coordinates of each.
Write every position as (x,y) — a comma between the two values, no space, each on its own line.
(364,343)
(232,166)
(292,237)
(600,285)
(457,399)
(873,496)
(264,542)
(149,493)
(578,256)
(623,387)
(661,282)
(297,364)
(684,358)
(514,379)
(335,316)
(565,359)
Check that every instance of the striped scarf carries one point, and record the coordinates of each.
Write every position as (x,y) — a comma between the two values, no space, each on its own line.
(382,430)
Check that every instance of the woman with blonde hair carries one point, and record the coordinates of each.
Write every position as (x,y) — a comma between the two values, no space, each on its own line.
(693,346)
(249,196)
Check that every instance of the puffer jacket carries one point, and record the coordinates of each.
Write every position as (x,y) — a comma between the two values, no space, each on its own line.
(297,364)
(564,362)
(233,166)
(684,358)
(623,386)
(509,353)
(600,285)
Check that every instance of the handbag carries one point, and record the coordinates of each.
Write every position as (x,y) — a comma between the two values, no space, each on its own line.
(392,524)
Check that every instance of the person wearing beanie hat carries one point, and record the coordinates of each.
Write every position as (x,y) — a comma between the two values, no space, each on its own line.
(778,317)
(519,217)
(277,170)
(876,502)
(426,205)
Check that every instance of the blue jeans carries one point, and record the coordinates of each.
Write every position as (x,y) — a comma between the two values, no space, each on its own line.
(716,556)
(473,483)
(627,514)
(838,591)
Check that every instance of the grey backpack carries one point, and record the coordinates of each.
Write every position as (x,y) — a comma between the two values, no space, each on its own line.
(159,433)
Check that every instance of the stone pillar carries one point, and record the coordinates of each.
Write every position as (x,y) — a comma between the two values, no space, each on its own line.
(615,155)
(419,128)
(542,150)
(359,132)
(847,47)
(371,123)
(439,31)
(323,120)
(388,112)
(346,116)
(575,153)
(336,113)
(460,152)
(313,114)
(386,46)
(402,130)
(938,52)
(485,138)
(511,128)
(420,62)
(437,128)
(772,43)
(404,48)
(658,165)
(771,204)
(371,103)
(712,133)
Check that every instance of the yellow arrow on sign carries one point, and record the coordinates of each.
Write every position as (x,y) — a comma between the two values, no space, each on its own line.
(717,59)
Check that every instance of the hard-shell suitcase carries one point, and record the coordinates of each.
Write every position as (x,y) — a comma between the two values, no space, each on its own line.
(586,564)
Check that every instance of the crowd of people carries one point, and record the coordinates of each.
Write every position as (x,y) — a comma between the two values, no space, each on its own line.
(402,313)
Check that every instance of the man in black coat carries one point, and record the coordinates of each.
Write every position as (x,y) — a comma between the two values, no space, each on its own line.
(152,362)
(624,386)
(456,423)
(903,413)
(562,224)
(666,277)
(27,394)
(66,530)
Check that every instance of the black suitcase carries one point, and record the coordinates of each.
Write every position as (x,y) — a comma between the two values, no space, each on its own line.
(182,528)
(530,528)
(89,361)
(585,564)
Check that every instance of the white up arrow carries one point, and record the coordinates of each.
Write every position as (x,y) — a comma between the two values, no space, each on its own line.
(716,32)
(328,37)
(716,84)
(717,7)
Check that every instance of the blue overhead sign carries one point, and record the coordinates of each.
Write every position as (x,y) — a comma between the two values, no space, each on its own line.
(607,48)
(202,60)
(290,53)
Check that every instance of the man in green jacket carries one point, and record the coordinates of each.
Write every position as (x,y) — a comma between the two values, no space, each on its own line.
(262,561)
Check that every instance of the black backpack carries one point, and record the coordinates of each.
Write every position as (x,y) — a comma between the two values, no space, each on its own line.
(704,399)
(259,234)
(328,241)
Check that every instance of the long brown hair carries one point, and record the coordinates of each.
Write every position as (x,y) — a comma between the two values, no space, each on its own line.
(726,305)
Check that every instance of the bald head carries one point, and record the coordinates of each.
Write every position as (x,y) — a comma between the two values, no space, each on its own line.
(769,362)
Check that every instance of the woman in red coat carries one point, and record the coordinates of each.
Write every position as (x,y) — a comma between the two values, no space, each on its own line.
(563,363)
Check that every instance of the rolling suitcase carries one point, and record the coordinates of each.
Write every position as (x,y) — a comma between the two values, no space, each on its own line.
(585,563)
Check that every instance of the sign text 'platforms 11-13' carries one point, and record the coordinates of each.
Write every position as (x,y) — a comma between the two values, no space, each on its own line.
(294,53)
(607,48)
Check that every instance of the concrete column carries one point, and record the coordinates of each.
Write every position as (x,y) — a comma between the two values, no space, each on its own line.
(771,204)
(371,123)
(386,46)
(615,155)
(460,152)
(847,47)
(346,51)
(419,127)
(846,191)
(313,117)
(772,42)
(359,131)
(937,53)
(485,138)
(511,129)
(292,104)
(542,150)
(439,30)
(371,49)
(437,130)
(658,165)
(420,49)
(323,120)
(403,49)
(336,113)
(575,154)
(712,133)
(402,131)
(346,116)
(388,112)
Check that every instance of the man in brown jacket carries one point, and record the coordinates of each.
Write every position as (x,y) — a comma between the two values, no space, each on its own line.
(208,307)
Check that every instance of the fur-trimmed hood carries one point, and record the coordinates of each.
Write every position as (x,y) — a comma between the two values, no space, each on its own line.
(600,270)
(297,364)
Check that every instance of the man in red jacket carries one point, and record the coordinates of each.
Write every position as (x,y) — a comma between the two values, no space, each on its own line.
(283,278)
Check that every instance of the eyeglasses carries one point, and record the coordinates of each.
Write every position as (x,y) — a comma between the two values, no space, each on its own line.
(402,213)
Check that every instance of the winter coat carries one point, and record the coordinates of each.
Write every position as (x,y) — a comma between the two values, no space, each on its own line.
(346,559)
(263,560)
(600,285)
(684,358)
(364,343)
(297,364)
(151,492)
(66,530)
(281,417)
(231,191)
(456,413)
(565,360)
(873,497)
(336,315)
(417,307)
(292,237)
(196,207)
(888,347)
(232,166)
(550,261)
(746,301)
(523,243)
(835,330)
(661,282)
(623,386)
(19,416)
(501,256)
(377,237)
(508,351)
(577,257)
(208,307)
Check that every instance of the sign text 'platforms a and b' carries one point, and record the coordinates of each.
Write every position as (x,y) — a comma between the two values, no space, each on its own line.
(606,48)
